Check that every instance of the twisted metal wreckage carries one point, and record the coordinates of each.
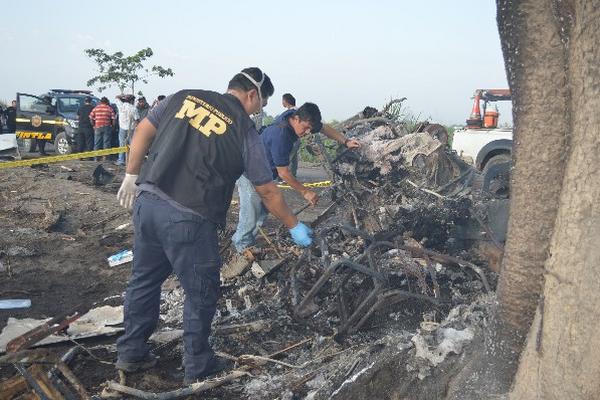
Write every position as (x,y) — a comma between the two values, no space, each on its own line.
(400,205)
(372,239)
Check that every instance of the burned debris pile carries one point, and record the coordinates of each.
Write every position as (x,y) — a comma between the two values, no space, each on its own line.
(390,279)
(386,241)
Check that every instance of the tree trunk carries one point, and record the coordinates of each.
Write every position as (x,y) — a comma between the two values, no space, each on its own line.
(551,57)
(535,57)
(562,359)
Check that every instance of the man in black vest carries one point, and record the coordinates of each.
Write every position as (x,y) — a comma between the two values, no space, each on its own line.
(85,137)
(198,144)
(11,116)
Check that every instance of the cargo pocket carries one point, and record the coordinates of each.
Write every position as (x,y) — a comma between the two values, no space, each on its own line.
(184,228)
(138,224)
(208,283)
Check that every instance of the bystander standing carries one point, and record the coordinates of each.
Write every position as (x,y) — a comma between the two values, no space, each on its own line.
(85,138)
(103,118)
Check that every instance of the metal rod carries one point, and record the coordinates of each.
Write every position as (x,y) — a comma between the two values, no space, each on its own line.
(194,388)
(31,381)
(264,235)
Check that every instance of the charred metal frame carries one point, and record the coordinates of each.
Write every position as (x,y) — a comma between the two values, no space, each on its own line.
(21,358)
(381,295)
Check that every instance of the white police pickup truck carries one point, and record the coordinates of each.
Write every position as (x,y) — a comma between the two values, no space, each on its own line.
(486,146)
(9,148)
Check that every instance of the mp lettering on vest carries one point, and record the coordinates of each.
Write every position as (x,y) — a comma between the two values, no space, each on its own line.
(203,120)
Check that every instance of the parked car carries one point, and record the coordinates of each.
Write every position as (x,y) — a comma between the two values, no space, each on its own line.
(50,116)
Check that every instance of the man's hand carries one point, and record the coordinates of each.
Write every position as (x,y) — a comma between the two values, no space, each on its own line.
(311,197)
(126,193)
(352,143)
(284,173)
(301,235)
(339,137)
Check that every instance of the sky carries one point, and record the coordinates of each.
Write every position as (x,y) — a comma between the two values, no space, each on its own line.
(341,55)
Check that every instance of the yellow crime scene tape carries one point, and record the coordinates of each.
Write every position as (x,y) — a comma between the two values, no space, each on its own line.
(67,157)
(106,152)
(313,184)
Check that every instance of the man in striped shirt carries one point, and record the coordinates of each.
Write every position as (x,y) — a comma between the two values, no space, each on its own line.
(103,118)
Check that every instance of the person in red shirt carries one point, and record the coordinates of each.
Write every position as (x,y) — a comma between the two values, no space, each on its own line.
(103,119)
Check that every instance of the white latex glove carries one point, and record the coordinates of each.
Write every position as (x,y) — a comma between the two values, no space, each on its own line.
(126,193)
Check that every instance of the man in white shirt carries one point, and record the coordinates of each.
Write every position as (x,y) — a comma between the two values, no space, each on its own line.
(289,103)
(126,122)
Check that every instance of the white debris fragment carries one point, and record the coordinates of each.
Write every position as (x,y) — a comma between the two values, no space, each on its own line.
(287,395)
(352,379)
(8,304)
(257,270)
(231,308)
(247,302)
(311,395)
(166,336)
(317,382)
(452,342)
(383,152)
(262,387)
(122,257)
(171,308)
(116,296)
(98,321)
(243,290)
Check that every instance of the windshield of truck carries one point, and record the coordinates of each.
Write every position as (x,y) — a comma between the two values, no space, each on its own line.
(72,104)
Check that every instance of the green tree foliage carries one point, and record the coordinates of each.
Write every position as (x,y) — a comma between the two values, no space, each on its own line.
(450,130)
(123,71)
(267,119)
(396,111)
(329,145)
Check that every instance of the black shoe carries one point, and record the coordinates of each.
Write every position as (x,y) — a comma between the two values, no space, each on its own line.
(148,362)
(218,365)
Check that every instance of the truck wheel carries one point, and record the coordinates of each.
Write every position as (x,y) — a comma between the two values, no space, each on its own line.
(496,176)
(61,144)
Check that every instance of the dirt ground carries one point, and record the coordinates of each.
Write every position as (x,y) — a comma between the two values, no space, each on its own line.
(56,230)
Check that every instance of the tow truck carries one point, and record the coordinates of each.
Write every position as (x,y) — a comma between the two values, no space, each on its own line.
(51,116)
(485,145)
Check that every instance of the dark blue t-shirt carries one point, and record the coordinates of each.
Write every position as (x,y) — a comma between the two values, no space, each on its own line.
(279,138)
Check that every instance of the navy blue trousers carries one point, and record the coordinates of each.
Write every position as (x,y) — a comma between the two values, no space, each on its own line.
(167,239)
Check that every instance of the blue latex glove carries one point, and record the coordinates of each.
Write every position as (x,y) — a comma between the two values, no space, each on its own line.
(301,234)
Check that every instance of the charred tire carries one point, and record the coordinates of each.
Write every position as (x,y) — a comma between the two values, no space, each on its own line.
(496,176)
(62,145)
